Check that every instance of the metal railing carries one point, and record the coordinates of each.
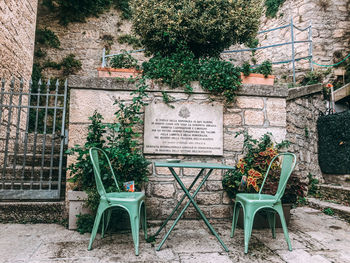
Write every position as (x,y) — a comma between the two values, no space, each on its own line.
(292,42)
(32,125)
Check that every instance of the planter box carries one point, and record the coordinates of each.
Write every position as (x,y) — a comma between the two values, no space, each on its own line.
(123,73)
(76,201)
(260,221)
(258,79)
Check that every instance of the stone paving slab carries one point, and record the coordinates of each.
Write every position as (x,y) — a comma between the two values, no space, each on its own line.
(315,237)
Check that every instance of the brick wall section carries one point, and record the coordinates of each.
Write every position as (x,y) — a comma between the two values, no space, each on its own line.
(303,107)
(258,109)
(17,34)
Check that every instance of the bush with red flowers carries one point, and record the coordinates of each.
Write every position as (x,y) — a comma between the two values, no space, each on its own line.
(251,169)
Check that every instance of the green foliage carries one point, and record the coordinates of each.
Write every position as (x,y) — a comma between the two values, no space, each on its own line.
(85,223)
(312,186)
(78,11)
(265,68)
(246,69)
(272,7)
(334,143)
(328,211)
(205,27)
(46,37)
(119,141)
(251,169)
(307,132)
(70,65)
(131,40)
(39,53)
(220,77)
(124,60)
(175,70)
(108,41)
(312,77)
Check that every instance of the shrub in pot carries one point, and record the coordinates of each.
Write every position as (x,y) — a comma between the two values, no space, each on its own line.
(260,75)
(122,66)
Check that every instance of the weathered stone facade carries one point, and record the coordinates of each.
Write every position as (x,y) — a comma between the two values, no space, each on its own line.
(17,34)
(330,32)
(304,105)
(258,109)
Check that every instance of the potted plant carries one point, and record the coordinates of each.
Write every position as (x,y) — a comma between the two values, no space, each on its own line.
(119,142)
(261,75)
(250,171)
(122,66)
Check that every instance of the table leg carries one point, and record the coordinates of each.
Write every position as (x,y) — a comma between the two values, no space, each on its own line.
(195,206)
(179,203)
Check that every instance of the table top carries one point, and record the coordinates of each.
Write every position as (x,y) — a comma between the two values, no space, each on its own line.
(193,165)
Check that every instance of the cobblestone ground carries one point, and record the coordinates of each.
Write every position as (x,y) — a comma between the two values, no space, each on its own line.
(315,237)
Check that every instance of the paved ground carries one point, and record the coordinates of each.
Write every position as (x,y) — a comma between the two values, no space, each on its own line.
(315,237)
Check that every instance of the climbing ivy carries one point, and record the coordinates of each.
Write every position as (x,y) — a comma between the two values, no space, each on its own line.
(78,10)
(272,7)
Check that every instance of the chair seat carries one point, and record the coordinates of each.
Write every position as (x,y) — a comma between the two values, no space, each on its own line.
(263,198)
(125,196)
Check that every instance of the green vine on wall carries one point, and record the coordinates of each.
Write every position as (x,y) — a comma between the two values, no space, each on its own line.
(77,11)
(272,7)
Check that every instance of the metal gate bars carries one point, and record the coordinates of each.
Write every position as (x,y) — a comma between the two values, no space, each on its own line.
(32,125)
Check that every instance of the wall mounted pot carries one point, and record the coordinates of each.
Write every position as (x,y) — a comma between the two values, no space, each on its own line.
(123,73)
(257,79)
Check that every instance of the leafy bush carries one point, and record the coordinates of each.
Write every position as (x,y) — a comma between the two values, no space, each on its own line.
(334,143)
(175,70)
(124,60)
(272,7)
(68,64)
(135,42)
(312,77)
(220,77)
(47,37)
(250,171)
(265,68)
(206,27)
(85,223)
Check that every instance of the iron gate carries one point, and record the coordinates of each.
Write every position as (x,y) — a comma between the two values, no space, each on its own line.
(32,136)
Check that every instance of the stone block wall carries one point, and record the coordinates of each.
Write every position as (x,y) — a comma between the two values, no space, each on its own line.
(17,34)
(304,105)
(330,32)
(257,109)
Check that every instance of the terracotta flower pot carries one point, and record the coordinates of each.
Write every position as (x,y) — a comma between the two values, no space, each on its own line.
(124,73)
(260,221)
(258,79)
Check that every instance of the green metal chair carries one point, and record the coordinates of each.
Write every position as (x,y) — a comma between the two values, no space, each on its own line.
(252,203)
(132,202)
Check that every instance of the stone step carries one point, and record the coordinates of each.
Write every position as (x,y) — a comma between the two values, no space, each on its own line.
(335,193)
(37,160)
(32,212)
(339,210)
(29,173)
(337,179)
(39,148)
(40,138)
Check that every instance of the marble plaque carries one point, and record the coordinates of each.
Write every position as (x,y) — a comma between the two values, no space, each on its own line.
(188,129)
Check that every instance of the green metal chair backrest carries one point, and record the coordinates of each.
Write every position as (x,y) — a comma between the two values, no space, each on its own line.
(288,164)
(96,156)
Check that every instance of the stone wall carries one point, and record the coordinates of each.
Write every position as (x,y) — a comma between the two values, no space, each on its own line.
(258,109)
(304,105)
(17,34)
(331,32)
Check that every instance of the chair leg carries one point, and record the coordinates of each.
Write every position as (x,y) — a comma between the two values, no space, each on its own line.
(284,226)
(234,218)
(271,217)
(98,217)
(135,227)
(103,224)
(144,221)
(248,226)
(105,221)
